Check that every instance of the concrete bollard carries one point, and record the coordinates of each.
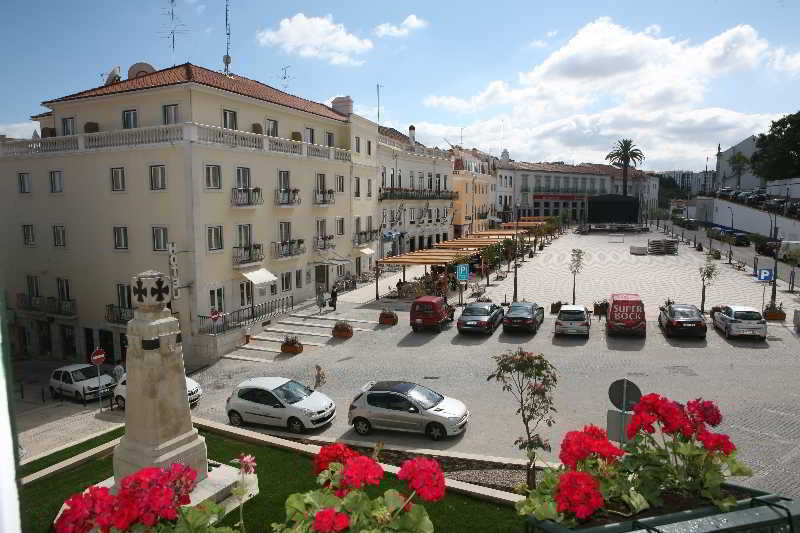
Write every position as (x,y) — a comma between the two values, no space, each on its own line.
(43,400)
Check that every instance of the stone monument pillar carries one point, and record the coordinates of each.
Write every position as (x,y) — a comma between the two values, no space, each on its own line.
(158,424)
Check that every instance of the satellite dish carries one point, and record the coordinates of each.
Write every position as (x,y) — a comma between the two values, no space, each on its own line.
(140,69)
(113,76)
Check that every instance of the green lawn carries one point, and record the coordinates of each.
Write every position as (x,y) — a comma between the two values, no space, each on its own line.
(66,453)
(280,473)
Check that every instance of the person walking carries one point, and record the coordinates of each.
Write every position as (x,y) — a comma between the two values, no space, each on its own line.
(334,295)
(319,377)
(320,299)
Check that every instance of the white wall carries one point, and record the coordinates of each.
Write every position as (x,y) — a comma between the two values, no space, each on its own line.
(754,221)
(780,187)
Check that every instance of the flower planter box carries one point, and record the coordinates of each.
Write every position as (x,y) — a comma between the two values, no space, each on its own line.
(342,333)
(387,319)
(291,348)
(750,514)
(775,315)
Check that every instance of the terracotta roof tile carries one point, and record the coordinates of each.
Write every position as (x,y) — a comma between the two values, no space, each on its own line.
(192,73)
(583,168)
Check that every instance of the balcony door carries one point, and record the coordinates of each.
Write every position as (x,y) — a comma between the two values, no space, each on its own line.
(283,180)
(217,299)
(285,231)
(124,295)
(321,228)
(321,183)
(63,289)
(244,235)
(242,178)
(32,283)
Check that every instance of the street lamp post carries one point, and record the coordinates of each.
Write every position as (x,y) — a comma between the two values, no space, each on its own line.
(516,250)
(730,244)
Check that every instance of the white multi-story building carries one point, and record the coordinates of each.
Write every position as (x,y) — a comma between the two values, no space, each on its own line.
(415,197)
(504,189)
(726,177)
(255,187)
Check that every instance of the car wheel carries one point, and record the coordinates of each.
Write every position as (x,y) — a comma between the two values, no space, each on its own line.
(435,431)
(78,396)
(235,418)
(362,426)
(763,339)
(439,328)
(120,401)
(53,393)
(727,332)
(667,333)
(295,425)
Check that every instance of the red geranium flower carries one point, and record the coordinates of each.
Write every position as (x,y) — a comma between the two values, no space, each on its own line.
(361,470)
(328,521)
(424,476)
(704,412)
(578,445)
(333,453)
(714,442)
(577,493)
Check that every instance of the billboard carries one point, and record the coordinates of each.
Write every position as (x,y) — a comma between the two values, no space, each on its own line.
(612,208)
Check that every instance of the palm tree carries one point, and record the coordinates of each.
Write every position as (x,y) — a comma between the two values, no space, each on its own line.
(624,155)
(738,163)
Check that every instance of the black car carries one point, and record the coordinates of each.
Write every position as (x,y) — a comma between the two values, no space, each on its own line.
(682,319)
(740,239)
(523,316)
(484,317)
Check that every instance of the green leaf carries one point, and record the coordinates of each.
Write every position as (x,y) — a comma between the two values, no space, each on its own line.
(635,501)
(414,521)
(394,500)
(296,507)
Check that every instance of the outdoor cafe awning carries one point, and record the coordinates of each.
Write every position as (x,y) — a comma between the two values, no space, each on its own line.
(433,256)
(259,276)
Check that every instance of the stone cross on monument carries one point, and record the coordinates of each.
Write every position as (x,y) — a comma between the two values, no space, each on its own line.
(158,424)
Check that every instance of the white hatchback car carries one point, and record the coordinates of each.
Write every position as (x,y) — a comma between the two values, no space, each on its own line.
(736,320)
(281,402)
(193,391)
(572,320)
(79,381)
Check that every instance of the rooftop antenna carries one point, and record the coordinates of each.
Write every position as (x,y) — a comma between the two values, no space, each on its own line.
(378,88)
(285,78)
(226,59)
(462,137)
(175,27)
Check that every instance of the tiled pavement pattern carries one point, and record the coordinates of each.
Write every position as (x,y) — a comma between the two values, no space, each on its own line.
(754,383)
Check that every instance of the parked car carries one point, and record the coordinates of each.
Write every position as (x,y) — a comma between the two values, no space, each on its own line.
(193,391)
(724,192)
(277,401)
(740,238)
(406,406)
(757,198)
(80,381)
(737,320)
(430,312)
(626,315)
(523,316)
(483,317)
(572,320)
(691,224)
(682,319)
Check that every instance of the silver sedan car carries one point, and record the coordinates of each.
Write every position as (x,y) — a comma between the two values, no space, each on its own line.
(405,406)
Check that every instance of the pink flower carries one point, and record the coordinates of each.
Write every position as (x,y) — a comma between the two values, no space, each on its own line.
(247,463)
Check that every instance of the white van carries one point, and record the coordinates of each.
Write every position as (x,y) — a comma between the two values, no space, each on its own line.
(790,251)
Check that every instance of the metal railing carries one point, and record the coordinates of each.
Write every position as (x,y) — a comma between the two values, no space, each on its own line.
(324,242)
(246,196)
(287,196)
(243,255)
(245,316)
(30,303)
(391,193)
(117,314)
(324,197)
(287,249)
(54,306)
(365,236)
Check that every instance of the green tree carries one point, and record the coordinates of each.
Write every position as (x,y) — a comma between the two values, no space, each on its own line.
(575,267)
(777,154)
(658,213)
(708,273)
(531,380)
(738,163)
(624,155)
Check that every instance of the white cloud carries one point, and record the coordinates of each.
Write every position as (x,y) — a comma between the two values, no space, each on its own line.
(317,37)
(19,130)
(538,44)
(201,9)
(551,34)
(411,23)
(608,81)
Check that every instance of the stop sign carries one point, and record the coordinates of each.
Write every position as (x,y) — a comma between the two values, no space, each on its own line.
(98,356)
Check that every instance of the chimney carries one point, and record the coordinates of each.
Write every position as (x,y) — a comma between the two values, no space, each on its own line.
(343,105)
(412,135)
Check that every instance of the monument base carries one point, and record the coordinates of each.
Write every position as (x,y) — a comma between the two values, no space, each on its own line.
(188,448)
(216,487)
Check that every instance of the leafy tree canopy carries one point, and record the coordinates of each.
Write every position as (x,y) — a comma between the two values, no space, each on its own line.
(777,154)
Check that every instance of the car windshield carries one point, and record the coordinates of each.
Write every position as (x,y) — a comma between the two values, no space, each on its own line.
(425,397)
(520,311)
(572,315)
(292,392)
(747,315)
(83,374)
(469,310)
(684,313)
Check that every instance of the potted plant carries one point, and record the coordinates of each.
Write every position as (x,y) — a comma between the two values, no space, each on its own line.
(555,307)
(673,465)
(387,317)
(300,242)
(342,330)
(716,254)
(291,344)
(774,312)
(330,192)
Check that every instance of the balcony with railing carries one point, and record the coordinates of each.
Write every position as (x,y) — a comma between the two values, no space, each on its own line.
(363,237)
(394,193)
(246,197)
(324,242)
(287,197)
(172,134)
(62,308)
(286,249)
(247,255)
(324,197)
(117,314)
(245,316)
(26,302)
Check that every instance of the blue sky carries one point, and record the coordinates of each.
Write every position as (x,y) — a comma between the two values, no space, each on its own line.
(548,80)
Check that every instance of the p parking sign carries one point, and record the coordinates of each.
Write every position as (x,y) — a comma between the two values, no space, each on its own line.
(764,274)
(462,272)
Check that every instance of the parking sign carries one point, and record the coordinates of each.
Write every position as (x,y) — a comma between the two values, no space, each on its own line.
(462,272)
(764,274)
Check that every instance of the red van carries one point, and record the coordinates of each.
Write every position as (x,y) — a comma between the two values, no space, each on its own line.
(430,311)
(626,315)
